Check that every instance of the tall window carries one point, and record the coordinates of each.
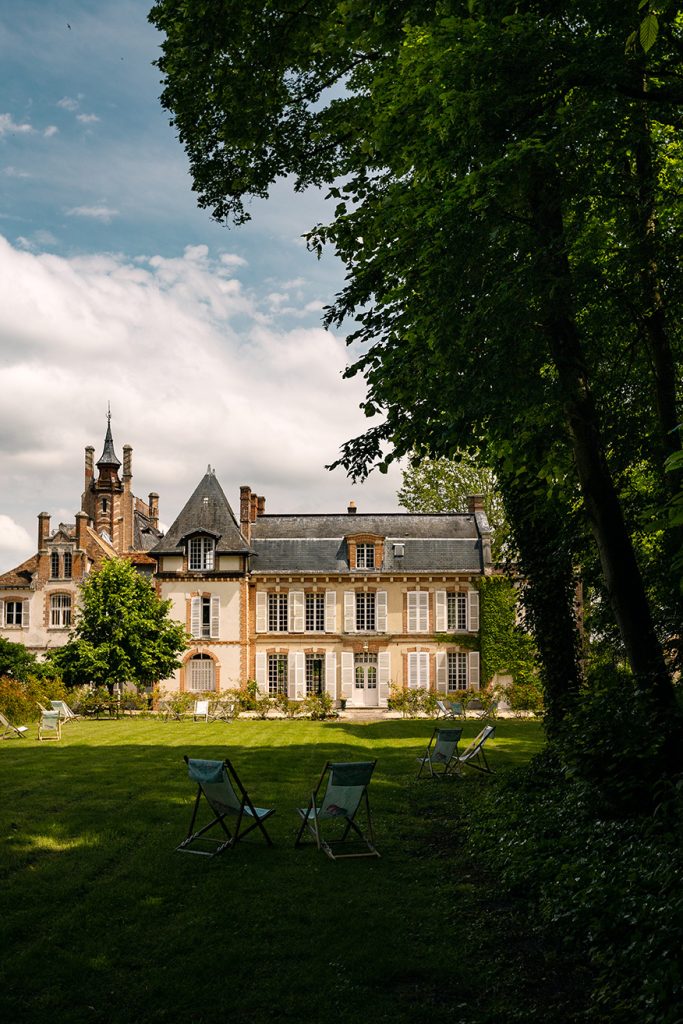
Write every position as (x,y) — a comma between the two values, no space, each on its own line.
(315,613)
(277,674)
(68,565)
(200,553)
(314,674)
(60,610)
(365,612)
(201,673)
(14,613)
(205,617)
(54,565)
(457,611)
(277,613)
(365,556)
(457,671)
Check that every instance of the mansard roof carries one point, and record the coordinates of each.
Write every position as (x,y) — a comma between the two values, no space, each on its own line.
(317,543)
(207,511)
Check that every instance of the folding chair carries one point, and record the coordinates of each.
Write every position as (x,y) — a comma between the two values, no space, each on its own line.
(347,788)
(218,783)
(50,727)
(65,712)
(8,729)
(474,756)
(201,710)
(441,755)
(490,711)
(221,711)
(449,709)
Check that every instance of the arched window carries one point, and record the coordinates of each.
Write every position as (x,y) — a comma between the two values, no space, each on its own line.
(60,610)
(68,564)
(54,565)
(201,673)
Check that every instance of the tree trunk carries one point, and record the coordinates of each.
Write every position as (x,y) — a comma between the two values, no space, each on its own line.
(622,576)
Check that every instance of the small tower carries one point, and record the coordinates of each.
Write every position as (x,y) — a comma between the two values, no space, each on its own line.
(106,490)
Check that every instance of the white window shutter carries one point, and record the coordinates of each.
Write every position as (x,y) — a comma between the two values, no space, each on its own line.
(196,616)
(296,611)
(291,681)
(473,611)
(413,668)
(383,675)
(215,616)
(423,616)
(473,670)
(381,611)
(330,611)
(441,672)
(299,675)
(261,674)
(331,674)
(347,675)
(25,613)
(2,613)
(349,611)
(424,669)
(261,612)
(412,611)
(441,606)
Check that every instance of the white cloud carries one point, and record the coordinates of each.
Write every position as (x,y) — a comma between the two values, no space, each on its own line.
(51,130)
(194,371)
(87,118)
(16,543)
(14,172)
(8,126)
(101,213)
(68,103)
(229,259)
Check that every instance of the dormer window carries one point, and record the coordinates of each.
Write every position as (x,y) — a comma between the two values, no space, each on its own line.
(201,553)
(365,556)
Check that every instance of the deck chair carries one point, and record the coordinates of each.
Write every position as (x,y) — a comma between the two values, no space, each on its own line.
(201,710)
(50,727)
(347,789)
(221,711)
(9,730)
(65,712)
(218,783)
(441,755)
(449,709)
(490,711)
(474,756)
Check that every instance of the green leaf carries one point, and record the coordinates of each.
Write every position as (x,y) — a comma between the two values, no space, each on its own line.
(649,30)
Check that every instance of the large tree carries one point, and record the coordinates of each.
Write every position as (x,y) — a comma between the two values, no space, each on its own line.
(506,185)
(123,633)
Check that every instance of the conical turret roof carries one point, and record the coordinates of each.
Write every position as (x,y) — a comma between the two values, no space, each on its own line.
(108,456)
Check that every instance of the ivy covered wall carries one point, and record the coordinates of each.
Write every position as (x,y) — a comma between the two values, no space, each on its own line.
(505,647)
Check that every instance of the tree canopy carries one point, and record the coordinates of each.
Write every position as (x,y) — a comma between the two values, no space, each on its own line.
(122,633)
(506,180)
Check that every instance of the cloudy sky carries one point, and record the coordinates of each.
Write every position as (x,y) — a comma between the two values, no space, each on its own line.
(115,288)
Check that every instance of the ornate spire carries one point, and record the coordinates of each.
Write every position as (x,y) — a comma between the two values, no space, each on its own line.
(108,456)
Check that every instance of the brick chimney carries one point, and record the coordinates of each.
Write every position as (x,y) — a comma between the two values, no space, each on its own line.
(253,508)
(475,503)
(43,529)
(127,462)
(153,507)
(352,508)
(261,506)
(245,511)
(81,524)
(89,465)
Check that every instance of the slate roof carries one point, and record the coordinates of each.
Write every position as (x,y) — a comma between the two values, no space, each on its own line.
(22,575)
(207,511)
(108,456)
(145,536)
(316,543)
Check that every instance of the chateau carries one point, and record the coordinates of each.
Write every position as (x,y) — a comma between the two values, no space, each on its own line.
(345,603)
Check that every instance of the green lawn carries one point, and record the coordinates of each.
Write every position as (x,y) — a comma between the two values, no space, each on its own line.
(100,920)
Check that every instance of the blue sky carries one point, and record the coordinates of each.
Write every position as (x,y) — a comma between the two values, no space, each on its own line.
(115,287)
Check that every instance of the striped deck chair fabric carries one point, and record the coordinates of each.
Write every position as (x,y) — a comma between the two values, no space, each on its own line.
(218,784)
(50,726)
(332,821)
(65,712)
(474,756)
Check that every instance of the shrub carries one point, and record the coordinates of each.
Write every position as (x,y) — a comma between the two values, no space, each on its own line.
(19,697)
(411,702)
(289,708)
(318,707)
